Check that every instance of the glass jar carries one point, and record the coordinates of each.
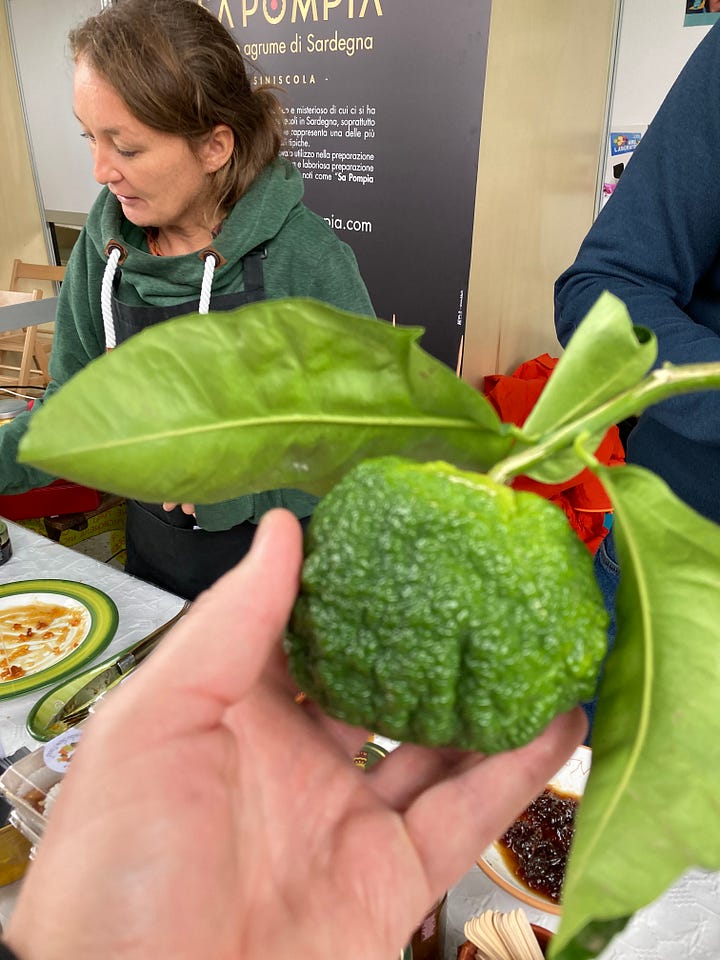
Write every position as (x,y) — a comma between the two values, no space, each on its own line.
(5,544)
(428,942)
(14,855)
(10,408)
(369,755)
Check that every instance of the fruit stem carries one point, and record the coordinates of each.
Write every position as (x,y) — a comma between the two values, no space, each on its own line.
(667,381)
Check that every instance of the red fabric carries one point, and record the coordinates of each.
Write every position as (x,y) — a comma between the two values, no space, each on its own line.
(58,498)
(582,497)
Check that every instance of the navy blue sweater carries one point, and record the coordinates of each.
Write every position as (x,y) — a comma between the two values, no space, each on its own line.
(656,245)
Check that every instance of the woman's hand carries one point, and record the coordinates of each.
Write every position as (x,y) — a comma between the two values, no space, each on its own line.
(188,508)
(207,814)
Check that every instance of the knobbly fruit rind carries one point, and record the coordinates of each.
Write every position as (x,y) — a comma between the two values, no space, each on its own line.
(440,607)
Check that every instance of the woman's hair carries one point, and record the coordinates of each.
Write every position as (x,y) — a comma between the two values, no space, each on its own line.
(178,70)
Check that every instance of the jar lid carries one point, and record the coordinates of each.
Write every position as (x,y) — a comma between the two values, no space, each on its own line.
(11,407)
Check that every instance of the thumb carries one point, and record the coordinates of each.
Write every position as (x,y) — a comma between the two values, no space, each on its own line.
(217,651)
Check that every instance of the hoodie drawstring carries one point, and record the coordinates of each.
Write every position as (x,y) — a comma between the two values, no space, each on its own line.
(207,280)
(115,253)
(106,296)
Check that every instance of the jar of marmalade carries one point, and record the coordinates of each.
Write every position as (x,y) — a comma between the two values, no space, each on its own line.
(428,942)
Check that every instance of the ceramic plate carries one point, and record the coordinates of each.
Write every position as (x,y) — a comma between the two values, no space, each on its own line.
(571,779)
(48,628)
(39,722)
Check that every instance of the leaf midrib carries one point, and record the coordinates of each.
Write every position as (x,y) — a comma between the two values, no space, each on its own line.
(644,723)
(383,422)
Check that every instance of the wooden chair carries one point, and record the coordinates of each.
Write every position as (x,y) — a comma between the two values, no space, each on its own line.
(22,275)
(22,362)
(22,270)
(10,297)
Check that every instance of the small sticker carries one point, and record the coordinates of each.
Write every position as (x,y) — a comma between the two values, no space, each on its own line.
(623,142)
(58,752)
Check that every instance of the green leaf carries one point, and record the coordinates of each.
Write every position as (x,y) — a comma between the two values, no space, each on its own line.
(652,802)
(590,941)
(284,393)
(605,357)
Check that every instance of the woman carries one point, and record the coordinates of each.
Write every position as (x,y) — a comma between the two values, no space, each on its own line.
(198,211)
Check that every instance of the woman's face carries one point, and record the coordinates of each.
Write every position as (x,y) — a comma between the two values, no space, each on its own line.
(157,178)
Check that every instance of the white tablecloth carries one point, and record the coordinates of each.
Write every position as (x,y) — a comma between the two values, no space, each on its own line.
(683,923)
(141,608)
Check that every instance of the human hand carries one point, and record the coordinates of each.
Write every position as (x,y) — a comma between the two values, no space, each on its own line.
(188,508)
(206,813)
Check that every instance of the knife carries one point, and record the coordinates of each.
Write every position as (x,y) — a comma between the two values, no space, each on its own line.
(78,706)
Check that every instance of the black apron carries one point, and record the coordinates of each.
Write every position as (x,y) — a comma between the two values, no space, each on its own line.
(162,546)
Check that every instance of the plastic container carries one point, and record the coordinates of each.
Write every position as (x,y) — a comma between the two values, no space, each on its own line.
(31,783)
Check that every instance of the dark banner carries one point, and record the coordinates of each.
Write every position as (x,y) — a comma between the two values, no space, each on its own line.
(384,102)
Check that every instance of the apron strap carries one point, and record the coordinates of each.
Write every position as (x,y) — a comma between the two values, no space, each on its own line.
(253,278)
(129,320)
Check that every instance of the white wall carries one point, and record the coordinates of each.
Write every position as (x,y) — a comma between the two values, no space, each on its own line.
(653,48)
(542,144)
(21,228)
(39,30)
(543,131)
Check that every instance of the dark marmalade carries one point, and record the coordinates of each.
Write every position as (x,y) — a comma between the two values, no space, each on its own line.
(537,844)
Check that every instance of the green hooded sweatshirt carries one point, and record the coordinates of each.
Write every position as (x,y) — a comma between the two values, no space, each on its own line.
(304,259)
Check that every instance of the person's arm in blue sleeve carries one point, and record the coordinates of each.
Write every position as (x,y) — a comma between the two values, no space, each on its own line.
(656,243)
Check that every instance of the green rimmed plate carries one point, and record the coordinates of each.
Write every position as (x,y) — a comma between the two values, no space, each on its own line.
(39,721)
(68,623)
